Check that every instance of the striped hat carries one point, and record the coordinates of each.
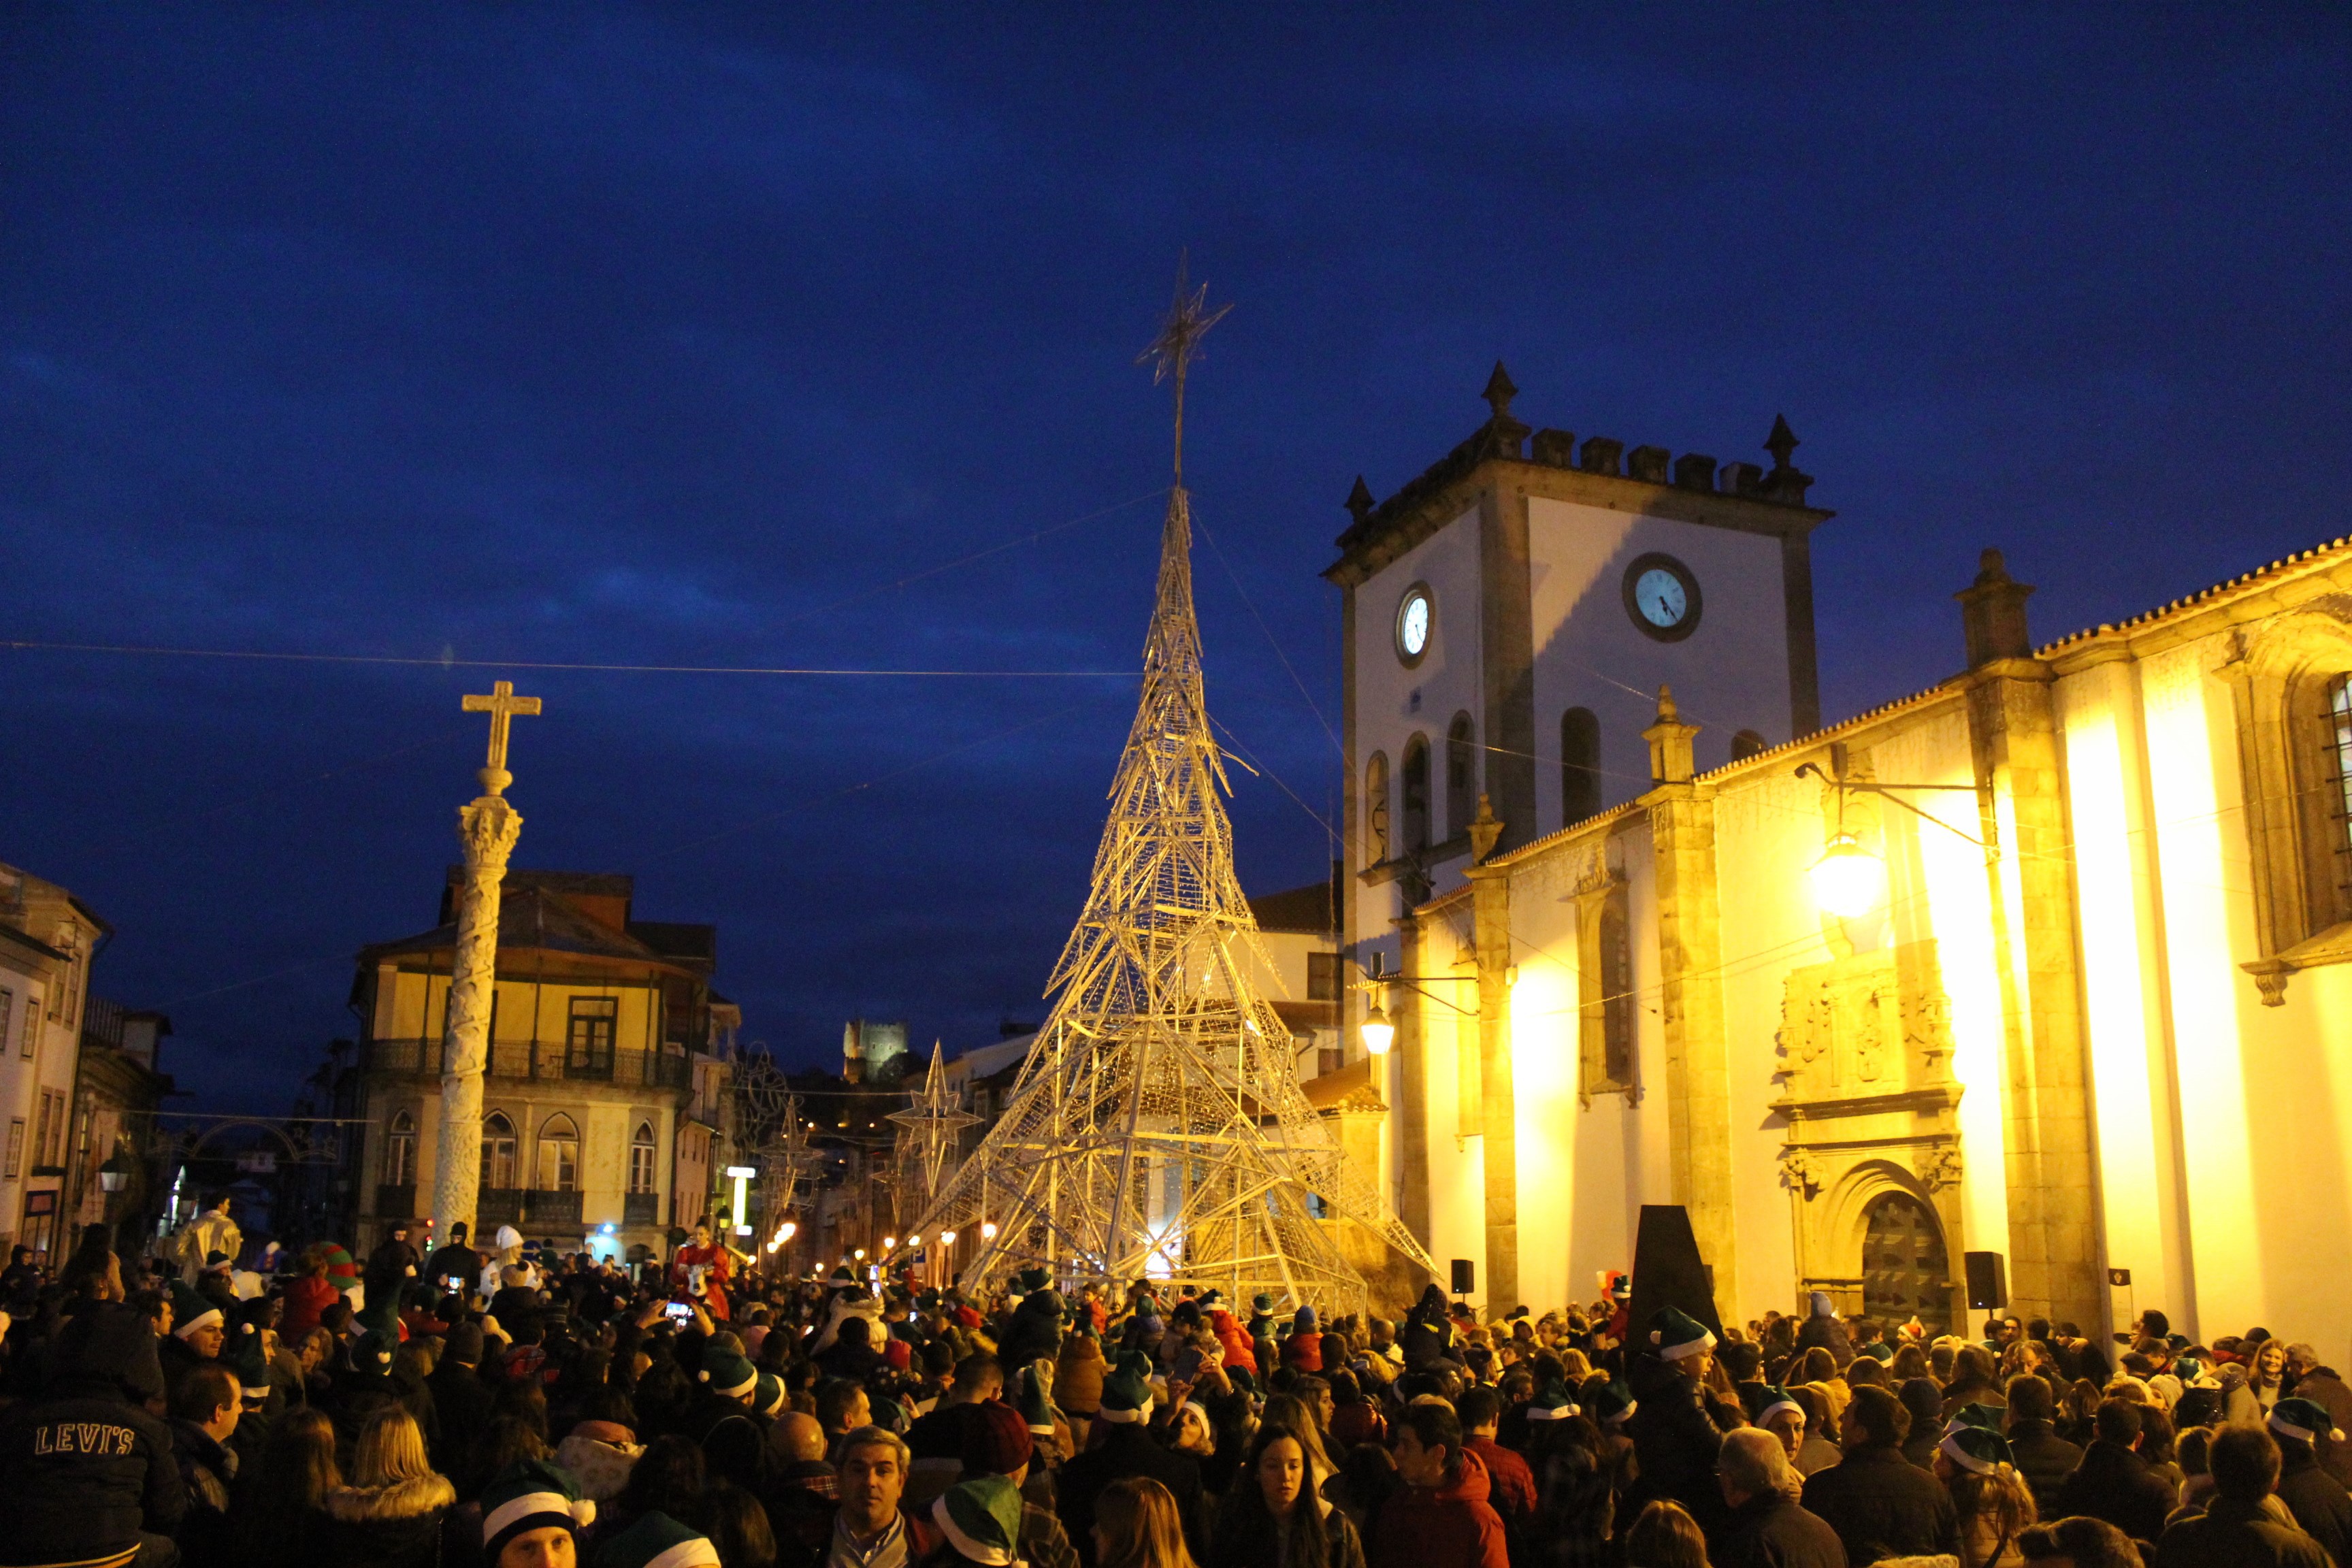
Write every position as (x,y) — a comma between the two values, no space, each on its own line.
(532,1494)
(1974,1449)
(658,1541)
(1552,1403)
(726,1371)
(981,1519)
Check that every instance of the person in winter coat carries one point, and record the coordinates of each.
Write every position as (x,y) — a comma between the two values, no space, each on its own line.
(2237,1528)
(461,1399)
(2317,1499)
(280,1505)
(1675,1438)
(204,1412)
(1511,1486)
(88,1474)
(2321,1386)
(1272,1518)
(1079,1370)
(389,1515)
(1428,1336)
(2114,1482)
(2043,1458)
(1823,1328)
(1303,1351)
(1123,1447)
(310,1295)
(454,1266)
(392,1265)
(1443,1518)
(1880,1503)
(1035,1331)
(1768,1527)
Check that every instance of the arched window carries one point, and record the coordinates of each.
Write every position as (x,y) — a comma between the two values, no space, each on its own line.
(400,1152)
(558,1155)
(1416,794)
(497,1152)
(1579,765)
(641,1158)
(1749,743)
(1376,809)
(1461,774)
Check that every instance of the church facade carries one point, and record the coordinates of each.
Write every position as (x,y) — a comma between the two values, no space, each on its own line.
(2049,961)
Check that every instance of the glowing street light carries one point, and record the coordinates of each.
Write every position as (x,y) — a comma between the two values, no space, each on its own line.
(1377,1032)
(947,1238)
(914,1241)
(988,1230)
(1848,881)
(859,1255)
(890,1243)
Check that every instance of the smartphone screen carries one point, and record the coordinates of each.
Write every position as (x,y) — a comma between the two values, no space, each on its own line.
(679,1313)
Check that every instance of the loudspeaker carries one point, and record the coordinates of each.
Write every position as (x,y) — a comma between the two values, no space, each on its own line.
(1988,1281)
(1465,1277)
(1669,1272)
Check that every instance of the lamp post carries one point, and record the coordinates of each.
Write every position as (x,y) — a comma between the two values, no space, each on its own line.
(1850,881)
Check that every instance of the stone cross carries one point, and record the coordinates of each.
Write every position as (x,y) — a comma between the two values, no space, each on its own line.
(501,705)
(488,828)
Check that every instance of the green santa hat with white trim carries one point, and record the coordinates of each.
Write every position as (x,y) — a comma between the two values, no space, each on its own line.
(1983,1417)
(1127,1391)
(190,1311)
(1675,1334)
(726,1371)
(1974,1449)
(1552,1403)
(981,1519)
(1035,1401)
(771,1397)
(1614,1404)
(1763,1399)
(658,1541)
(532,1494)
(2304,1420)
(242,1355)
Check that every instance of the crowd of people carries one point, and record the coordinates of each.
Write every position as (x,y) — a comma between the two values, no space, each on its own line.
(512,1406)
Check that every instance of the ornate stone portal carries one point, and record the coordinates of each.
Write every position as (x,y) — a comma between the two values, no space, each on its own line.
(1873,1157)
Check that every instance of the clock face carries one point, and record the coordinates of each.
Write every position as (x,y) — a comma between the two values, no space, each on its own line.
(1662,596)
(1413,616)
(1658,595)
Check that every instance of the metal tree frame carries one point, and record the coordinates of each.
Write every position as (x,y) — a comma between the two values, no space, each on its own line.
(1157,1127)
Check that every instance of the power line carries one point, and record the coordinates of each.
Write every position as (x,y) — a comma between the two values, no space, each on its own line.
(451,662)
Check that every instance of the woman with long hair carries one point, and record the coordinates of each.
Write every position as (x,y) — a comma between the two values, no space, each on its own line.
(1137,1526)
(2250,1404)
(1272,1518)
(1995,1510)
(389,1515)
(1295,1417)
(1665,1536)
(280,1512)
(1576,1493)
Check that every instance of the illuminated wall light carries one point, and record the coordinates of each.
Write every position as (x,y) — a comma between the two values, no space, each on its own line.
(1848,881)
(1377,1032)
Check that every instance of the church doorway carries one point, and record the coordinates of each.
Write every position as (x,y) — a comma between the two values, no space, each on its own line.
(1905,1270)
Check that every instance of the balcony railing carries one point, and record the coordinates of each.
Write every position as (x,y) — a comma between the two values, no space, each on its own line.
(641,1208)
(542,1061)
(525,1207)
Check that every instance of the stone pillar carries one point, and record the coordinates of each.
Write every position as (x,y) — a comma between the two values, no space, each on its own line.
(1490,906)
(487,828)
(1690,971)
(2054,1230)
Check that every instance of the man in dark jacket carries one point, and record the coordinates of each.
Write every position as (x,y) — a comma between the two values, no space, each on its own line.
(2043,1458)
(391,1265)
(1126,1450)
(204,1412)
(2236,1528)
(2317,1499)
(460,1398)
(88,1474)
(1442,1517)
(1880,1503)
(1768,1528)
(2323,1387)
(2113,1482)
(1428,1335)
(455,1268)
(1822,1327)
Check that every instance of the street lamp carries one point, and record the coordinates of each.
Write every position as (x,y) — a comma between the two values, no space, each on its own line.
(1377,1032)
(890,1243)
(988,1230)
(947,1238)
(1848,881)
(115,1174)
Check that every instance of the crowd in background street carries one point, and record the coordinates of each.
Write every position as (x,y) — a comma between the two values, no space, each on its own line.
(209,1403)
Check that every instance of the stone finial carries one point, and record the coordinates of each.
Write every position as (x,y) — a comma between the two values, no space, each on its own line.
(1499,392)
(1780,443)
(1993,613)
(1360,499)
(1601,454)
(1647,464)
(1694,471)
(1784,483)
(1670,742)
(1485,829)
(1556,449)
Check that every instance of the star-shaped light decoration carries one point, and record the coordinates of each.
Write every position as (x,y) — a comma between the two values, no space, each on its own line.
(1188,322)
(930,1128)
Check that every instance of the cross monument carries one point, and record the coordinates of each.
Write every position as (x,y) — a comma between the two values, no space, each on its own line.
(488,828)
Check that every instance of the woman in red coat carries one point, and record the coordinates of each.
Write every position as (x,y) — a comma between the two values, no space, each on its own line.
(309,1296)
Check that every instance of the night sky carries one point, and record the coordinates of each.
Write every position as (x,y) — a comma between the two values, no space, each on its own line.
(661,336)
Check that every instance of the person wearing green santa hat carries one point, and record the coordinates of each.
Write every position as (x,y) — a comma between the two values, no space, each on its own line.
(658,1541)
(531,1516)
(719,1417)
(199,1329)
(1552,1401)
(981,1520)
(2316,1498)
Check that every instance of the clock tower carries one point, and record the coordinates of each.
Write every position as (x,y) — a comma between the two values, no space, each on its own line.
(1510,615)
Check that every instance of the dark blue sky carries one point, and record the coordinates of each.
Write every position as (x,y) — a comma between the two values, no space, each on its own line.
(666,336)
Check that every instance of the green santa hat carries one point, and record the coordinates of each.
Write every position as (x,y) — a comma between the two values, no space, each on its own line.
(1614,1404)
(1552,1403)
(532,1494)
(190,1311)
(1675,1334)
(1127,1391)
(770,1397)
(242,1355)
(2194,1373)
(981,1519)
(1763,1399)
(2304,1420)
(1879,1351)
(658,1541)
(1036,1405)
(371,1355)
(1974,1449)
(1983,1417)
(726,1371)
